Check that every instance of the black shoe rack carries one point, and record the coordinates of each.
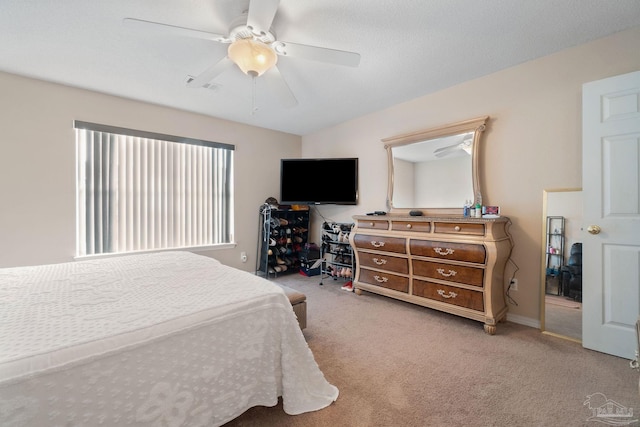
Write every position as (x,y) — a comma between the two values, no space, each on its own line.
(283,235)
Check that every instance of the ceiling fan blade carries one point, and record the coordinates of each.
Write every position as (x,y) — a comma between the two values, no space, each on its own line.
(261,14)
(447,151)
(211,73)
(447,148)
(166,29)
(278,85)
(315,53)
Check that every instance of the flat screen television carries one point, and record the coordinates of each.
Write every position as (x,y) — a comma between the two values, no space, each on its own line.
(319,181)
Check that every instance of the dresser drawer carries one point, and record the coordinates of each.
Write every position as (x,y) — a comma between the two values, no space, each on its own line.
(387,244)
(384,262)
(468,228)
(374,224)
(420,227)
(448,250)
(449,294)
(450,272)
(384,279)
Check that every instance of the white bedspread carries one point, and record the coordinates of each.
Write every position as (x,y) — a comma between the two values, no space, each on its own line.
(171,339)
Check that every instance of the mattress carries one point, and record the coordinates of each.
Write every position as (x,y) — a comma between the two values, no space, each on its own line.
(171,339)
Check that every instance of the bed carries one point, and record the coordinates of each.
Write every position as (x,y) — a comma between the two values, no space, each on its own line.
(162,339)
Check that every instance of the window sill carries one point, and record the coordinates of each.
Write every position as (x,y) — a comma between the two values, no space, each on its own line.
(194,249)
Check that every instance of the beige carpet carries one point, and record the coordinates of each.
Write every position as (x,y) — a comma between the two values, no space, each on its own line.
(562,301)
(397,364)
(563,316)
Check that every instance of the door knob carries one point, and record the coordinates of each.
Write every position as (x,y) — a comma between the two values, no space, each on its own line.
(594,229)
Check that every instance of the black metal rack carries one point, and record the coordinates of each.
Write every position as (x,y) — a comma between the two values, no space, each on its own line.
(555,250)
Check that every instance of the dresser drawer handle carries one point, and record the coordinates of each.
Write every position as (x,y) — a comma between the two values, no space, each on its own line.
(443,294)
(457,228)
(371,224)
(451,273)
(380,261)
(377,244)
(408,225)
(444,252)
(381,279)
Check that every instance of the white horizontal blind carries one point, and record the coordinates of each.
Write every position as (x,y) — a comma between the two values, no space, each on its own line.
(137,193)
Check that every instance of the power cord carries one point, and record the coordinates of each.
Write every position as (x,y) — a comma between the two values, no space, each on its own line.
(513,276)
(509,297)
(315,208)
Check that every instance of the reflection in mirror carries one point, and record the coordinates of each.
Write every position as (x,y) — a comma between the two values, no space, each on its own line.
(429,161)
(435,168)
(561,296)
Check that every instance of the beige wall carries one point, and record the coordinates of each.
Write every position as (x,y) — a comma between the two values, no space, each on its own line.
(37,161)
(532,143)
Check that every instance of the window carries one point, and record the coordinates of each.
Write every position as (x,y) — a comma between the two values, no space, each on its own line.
(140,191)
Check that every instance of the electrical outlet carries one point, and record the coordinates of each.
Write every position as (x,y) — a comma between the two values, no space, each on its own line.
(514,284)
(243,256)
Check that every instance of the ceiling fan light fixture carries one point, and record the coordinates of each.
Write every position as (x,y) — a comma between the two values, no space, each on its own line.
(253,57)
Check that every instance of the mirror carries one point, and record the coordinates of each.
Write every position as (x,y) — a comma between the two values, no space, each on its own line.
(435,169)
(561,286)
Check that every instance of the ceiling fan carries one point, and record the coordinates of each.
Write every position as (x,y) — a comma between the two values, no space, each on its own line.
(464,145)
(253,47)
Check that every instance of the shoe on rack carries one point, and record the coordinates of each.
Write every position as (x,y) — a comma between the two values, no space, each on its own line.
(348,287)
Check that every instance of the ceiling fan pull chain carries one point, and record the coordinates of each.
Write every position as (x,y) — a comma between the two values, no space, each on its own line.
(253,95)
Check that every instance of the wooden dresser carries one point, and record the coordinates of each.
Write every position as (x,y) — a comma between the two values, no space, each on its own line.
(453,264)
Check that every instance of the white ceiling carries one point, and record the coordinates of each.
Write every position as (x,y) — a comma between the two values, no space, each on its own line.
(408,48)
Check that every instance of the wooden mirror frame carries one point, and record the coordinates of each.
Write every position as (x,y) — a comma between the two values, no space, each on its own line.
(477,126)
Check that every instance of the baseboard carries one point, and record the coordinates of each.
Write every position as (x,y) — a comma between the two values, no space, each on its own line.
(521,320)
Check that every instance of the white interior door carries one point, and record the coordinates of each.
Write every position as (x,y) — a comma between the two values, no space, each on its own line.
(611,184)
